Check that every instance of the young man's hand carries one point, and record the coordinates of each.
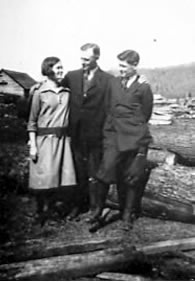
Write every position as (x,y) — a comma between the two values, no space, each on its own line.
(137,169)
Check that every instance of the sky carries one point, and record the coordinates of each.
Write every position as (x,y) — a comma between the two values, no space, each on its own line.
(162,31)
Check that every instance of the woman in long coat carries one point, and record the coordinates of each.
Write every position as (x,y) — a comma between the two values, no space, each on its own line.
(51,164)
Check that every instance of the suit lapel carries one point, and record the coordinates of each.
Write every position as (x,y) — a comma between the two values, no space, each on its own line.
(95,81)
(134,86)
(78,80)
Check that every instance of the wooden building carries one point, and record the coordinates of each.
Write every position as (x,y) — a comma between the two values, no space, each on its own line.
(15,83)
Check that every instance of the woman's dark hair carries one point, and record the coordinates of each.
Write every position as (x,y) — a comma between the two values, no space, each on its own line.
(47,65)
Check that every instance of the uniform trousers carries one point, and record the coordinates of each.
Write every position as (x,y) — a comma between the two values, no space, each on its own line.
(114,169)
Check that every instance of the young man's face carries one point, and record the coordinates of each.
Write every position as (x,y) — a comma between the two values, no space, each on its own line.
(88,59)
(126,69)
(58,72)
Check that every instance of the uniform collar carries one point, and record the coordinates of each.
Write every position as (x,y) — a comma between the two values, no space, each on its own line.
(130,80)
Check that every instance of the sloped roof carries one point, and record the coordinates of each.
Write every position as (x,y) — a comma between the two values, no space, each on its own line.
(21,78)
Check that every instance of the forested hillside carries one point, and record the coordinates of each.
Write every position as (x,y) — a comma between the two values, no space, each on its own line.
(172,82)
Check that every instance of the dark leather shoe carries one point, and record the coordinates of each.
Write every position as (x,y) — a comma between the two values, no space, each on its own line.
(96,225)
(127,226)
(74,214)
(41,218)
(93,216)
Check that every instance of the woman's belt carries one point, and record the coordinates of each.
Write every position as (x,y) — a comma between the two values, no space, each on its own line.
(57,131)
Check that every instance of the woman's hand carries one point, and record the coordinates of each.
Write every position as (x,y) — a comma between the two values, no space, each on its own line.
(33,153)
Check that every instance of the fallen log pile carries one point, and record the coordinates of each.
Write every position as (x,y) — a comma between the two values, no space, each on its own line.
(168,195)
(178,138)
(174,182)
(116,261)
(30,249)
(163,208)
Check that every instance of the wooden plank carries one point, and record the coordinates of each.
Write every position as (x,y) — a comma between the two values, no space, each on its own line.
(69,266)
(114,276)
(42,248)
(168,246)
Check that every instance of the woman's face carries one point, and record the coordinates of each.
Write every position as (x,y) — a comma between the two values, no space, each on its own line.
(58,72)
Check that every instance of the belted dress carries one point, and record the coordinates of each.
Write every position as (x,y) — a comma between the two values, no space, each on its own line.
(49,118)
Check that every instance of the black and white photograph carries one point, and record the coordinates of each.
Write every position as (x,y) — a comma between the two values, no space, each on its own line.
(97,140)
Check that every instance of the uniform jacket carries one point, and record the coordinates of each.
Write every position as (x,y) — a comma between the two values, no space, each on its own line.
(127,123)
(87,110)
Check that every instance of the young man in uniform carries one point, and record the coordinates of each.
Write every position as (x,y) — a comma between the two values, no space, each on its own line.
(126,138)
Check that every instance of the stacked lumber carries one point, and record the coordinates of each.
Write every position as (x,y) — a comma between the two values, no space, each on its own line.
(180,108)
(162,114)
(160,118)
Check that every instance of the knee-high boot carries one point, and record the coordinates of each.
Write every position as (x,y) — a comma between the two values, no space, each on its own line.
(121,191)
(128,214)
(139,193)
(93,195)
(101,195)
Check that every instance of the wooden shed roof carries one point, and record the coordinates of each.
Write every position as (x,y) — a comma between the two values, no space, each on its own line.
(21,78)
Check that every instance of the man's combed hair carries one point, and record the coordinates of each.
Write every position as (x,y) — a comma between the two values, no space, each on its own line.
(130,56)
(47,65)
(93,46)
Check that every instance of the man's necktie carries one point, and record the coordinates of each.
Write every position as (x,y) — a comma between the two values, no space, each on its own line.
(124,81)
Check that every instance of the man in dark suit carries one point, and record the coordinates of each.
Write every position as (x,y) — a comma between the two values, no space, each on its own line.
(127,137)
(89,100)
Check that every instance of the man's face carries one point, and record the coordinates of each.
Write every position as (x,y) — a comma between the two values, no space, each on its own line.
(88,60)
(126,69)
(58,72)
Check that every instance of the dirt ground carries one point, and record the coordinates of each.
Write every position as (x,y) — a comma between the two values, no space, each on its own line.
(18,207)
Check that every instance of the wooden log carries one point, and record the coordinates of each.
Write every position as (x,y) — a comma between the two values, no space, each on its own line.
(158,156)
(179,138)
(168,209)
(69,266)
(174,182)
(168,194)
(168,246)
(114,276)
(43,248)
(164,208)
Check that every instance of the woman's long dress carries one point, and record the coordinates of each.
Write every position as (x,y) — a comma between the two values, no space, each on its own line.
(54,166)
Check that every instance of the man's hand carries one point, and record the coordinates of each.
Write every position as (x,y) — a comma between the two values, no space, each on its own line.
(33,153)
(137,169)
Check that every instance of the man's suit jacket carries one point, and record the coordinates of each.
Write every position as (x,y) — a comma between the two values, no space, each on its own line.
(88,110)
(127,122)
